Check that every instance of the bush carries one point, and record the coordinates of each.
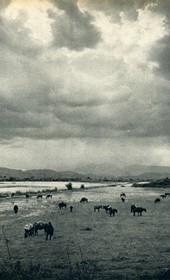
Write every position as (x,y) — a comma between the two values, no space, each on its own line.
(82,186)
(69,186)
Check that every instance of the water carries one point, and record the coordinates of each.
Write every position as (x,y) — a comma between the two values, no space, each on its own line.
(12,187)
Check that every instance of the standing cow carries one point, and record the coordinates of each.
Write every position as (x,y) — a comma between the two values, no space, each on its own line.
(16,208)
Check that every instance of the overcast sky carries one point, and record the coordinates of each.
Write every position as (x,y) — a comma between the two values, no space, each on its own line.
(84,82)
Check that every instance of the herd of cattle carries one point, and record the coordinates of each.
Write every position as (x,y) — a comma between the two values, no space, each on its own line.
(32,229)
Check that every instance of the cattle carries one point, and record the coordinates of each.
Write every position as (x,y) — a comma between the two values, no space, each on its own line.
(123,194)
(49,231)
(157,200)
(163,195)
(123,199)
(62,205)
(16,208)
(112,211)
(97,208)
(28,230)
(139,210)
(167,194)
(39,226)
(107,208)
(39,196)
(83,199)
(48,196)
(133,206)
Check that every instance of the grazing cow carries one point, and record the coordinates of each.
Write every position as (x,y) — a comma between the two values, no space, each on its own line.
(48,196)
(123,199)
(157,200)
(112,211)
(83,199)
(139,210)
(62,205)
(39,196)
(97,207)
(123,194)
(107,208)
(28,230)
(39,226)
(49,231)
(15,208)
(167,194)
(132,208)
(163,195)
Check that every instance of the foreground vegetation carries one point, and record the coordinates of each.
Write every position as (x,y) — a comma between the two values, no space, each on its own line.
(87,244)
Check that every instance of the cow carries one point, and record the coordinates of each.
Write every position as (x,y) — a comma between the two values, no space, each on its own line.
(83,199)
(16,208)
(28,230)
(133,206)
(157,200)
(48,196)
(62,205)
(112,211)
(97,207)
(107,208)
(139,210)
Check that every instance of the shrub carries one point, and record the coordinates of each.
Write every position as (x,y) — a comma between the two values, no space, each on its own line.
(82,186)
(69,186)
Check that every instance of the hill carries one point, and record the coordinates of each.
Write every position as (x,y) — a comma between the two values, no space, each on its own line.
(162,183)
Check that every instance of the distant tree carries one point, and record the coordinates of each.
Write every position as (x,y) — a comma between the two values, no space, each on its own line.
(82,186)
(69,186)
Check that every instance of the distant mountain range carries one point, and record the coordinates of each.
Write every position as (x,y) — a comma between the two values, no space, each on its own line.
(102,172)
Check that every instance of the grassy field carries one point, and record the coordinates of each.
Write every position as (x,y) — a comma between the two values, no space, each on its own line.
(87,244)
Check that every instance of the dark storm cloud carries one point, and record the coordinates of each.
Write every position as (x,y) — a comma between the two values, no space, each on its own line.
(161,51)
(113,8)
(73,29)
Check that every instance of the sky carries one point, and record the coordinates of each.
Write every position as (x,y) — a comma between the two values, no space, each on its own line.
(84,82)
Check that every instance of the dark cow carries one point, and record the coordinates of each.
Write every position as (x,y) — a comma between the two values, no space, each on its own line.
(97,208)
(84,199)
(123,199)
(28,230)
(39,196)
(167,194)
(62,205)
(139,210)
(15,208)
(123,194)
(49,231)
(157,200)
(112,211)
(133,206)
(48,196)
(107,208)
(39,226)
(163,195)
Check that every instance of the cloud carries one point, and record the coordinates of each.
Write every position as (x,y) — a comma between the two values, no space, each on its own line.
(102,87)
(73,28)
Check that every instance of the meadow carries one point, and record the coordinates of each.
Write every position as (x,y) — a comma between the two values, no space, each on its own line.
(87,244)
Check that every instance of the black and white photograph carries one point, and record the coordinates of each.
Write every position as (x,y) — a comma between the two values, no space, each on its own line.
(84,139)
